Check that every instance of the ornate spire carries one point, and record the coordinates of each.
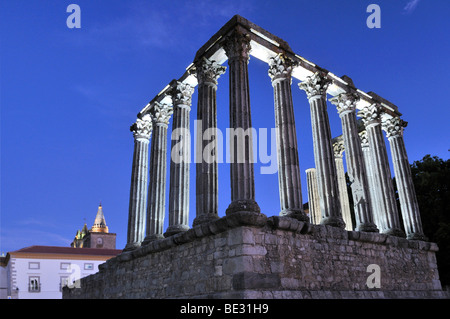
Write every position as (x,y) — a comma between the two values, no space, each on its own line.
(99,223)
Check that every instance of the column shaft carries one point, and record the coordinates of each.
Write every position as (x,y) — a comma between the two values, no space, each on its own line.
(138,189)
(405,187)
(206,153)
(313,196)
(342,185)
(237,47)
(180,160)
(291,202)
(386,205)
(315,87)
(370,178)
(356,168)
(157,187)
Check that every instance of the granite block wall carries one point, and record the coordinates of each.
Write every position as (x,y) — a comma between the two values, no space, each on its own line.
(248,255)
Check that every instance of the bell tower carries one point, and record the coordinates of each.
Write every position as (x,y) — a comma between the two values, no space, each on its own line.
(96,237)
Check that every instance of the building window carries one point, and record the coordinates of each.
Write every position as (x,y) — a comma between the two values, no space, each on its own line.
(88,266)
(34,265)
(65,266)
(34,284)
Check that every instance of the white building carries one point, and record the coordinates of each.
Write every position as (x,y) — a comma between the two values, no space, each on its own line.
(40,272)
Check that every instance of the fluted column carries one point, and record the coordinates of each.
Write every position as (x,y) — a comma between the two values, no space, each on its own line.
(160,114)
(356,168)
(315,87)
(237,47)
(142,130)
(405,187)
(313,196)
(370,178)
(208,72)
(338,148)
(291,203)
(180,160)
(385,198)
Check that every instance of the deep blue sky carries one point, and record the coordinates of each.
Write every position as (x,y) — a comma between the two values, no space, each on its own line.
(68,96)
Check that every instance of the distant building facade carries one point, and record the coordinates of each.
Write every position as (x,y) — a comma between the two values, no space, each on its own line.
(40,272)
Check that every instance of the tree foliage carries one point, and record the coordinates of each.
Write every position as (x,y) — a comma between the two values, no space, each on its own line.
(431,177)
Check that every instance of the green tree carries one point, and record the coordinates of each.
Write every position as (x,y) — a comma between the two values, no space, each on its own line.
(431,177)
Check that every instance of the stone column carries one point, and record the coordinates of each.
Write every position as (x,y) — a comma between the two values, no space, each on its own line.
(405,187)
(237,47)
(180,160)
(160,114)
(313,196)
(338,148)
(142,130)
(356,168)
(385,198)
(287,150)
(315,87)
(370,178)
(208,72)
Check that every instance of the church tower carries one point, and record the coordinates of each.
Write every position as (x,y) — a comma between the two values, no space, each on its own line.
(96,237)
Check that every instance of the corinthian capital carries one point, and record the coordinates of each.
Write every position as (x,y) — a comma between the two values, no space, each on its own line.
(209,71)
(363,138)
(338,147)
(237,45)
(280,67)
(316,84)
(370,114)
(161,113)
(142,128)
(393,126)
(345,101)
(182,94)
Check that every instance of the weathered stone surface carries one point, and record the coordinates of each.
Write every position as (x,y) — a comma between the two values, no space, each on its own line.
(315,87)
(315,214)
(386,210)
(269,260)
(291,203)
(208,72)
(237,48)
(142,130)
(406,192)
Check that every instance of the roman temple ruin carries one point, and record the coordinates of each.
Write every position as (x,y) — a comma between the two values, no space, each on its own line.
(246,254)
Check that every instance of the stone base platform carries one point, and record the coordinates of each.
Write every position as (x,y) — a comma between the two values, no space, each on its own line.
(251,256)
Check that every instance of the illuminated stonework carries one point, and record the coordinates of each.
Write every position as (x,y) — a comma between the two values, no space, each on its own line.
(246,254)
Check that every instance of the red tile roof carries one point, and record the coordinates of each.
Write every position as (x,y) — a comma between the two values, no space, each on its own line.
(68,251)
